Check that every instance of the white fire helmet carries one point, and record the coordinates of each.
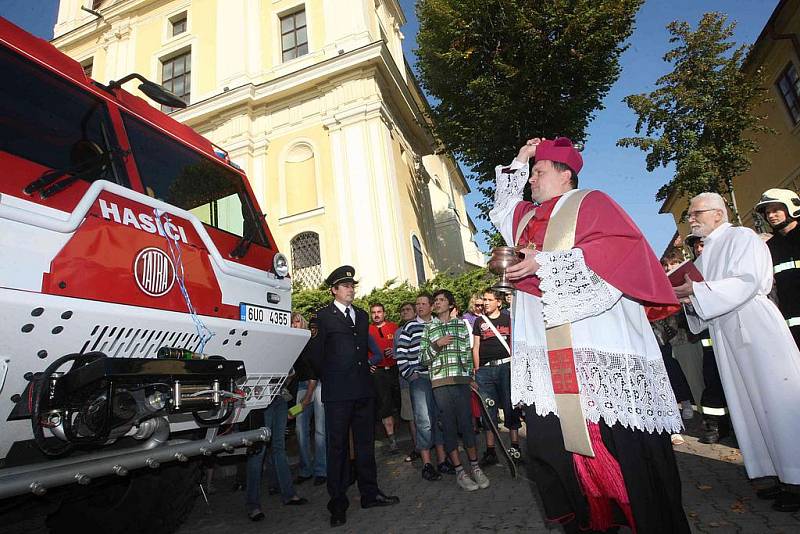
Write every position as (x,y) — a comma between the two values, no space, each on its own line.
(780,196)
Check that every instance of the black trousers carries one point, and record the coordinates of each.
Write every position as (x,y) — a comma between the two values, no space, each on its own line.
(795,330)
(648,467)
(387,389)
(713,394)
(677,379)
(340,417)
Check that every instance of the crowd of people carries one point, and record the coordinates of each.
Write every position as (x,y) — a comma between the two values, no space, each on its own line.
(423,370)
(601,355)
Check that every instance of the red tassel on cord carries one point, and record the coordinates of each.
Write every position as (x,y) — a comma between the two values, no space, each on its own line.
(601,480)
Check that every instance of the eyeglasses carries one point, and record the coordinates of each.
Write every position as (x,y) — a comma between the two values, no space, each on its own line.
(694,213)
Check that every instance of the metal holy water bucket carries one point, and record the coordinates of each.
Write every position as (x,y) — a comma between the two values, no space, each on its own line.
(503,258)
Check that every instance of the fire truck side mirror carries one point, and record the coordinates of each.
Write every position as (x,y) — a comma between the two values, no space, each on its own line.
(161,95)
(153,91)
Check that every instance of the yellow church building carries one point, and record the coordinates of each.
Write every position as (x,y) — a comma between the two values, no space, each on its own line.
(314,100)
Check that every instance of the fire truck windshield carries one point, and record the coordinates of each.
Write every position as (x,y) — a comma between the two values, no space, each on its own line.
(174,173)
(47,122)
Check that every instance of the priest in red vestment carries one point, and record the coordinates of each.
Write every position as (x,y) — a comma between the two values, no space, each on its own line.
(604,287)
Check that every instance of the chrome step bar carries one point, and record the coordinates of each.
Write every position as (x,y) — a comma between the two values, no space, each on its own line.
(40,477)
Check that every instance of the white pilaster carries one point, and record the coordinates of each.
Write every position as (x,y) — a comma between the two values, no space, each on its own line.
(253,26)
(394,213)
(385,208)
(342,194)
(346,21)
(232,54)
(119,53)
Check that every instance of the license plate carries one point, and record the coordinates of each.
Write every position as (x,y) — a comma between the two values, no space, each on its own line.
(258,314)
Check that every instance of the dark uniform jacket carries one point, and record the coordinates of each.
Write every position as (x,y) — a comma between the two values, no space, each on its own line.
(785,250)
(338,354)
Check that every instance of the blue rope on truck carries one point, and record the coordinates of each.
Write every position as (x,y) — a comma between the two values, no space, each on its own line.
(175,252)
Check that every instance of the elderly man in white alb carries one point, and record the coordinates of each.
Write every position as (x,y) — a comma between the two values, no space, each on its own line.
(758,360)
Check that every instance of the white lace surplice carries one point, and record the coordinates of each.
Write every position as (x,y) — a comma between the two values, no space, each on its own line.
(620,370)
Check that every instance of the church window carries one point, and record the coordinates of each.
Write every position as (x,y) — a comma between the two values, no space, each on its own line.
(294,35)
(176,77)
(789,88)
(419,260)
(178,24)
(306,260)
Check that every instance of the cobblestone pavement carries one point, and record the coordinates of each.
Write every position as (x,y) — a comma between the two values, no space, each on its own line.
(716,494)
(717,498)
(430,507)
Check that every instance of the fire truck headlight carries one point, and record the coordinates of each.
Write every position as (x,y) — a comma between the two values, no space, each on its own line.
(280,264)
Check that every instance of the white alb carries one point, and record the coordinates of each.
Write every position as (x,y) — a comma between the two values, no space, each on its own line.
(758,360)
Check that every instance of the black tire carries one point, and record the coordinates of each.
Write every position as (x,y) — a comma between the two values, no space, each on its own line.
(155,501)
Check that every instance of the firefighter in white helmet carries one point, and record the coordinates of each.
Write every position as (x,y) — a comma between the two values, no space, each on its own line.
(781,209)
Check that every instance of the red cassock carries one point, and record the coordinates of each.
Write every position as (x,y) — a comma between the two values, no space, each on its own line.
(613,248)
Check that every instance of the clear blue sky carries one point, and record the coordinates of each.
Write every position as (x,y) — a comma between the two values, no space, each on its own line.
(619,172)
(622,172)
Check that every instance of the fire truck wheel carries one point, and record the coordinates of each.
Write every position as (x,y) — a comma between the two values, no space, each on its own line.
(153,501)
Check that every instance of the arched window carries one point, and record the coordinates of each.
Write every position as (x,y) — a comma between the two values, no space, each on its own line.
(306,263)
(300,179)
(418,260)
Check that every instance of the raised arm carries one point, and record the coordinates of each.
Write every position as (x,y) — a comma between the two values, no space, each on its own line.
(509,186)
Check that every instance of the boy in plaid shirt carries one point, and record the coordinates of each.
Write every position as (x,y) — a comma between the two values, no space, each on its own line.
(445,350)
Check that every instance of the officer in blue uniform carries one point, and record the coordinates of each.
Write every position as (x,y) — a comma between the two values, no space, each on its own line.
(338,353)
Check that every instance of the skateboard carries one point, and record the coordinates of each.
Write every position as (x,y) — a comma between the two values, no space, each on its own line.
(510,454)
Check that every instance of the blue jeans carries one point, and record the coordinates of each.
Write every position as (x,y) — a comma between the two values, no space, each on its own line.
(494,382)
(317,411)
(275,417)
(425,413)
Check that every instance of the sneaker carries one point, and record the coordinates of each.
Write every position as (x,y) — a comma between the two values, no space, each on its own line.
(413,455)
(466,483)
(429,473)
(255,514)
(480,478)
(489,458)
(446,468)
(677,439)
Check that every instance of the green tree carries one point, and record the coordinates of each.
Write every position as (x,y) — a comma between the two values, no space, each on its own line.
(306,300)
(701,113)
(392,294)
(502,71)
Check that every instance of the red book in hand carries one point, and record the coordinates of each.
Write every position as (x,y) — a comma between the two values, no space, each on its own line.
(677,276)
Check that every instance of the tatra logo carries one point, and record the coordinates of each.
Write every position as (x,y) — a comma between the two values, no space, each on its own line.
(142,221)
(154,272)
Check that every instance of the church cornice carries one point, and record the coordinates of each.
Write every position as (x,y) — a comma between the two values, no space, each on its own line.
(317,77)
(111,14)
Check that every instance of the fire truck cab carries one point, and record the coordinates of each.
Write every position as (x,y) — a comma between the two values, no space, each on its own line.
(145,307)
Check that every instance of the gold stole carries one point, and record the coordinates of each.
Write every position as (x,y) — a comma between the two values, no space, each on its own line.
(560,236)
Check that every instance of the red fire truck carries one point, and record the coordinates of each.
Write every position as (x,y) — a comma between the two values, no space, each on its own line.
(145,307)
